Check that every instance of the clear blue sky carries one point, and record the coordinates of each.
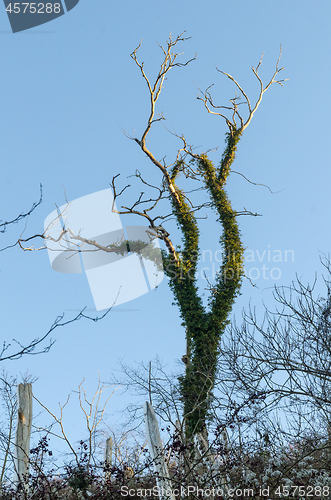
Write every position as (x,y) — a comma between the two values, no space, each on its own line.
(69,87)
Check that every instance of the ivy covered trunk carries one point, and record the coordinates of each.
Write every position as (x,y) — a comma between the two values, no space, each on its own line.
(204,326)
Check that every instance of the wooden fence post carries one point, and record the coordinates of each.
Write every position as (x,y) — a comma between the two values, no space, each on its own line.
(23,433)
(156,450)
(108,457)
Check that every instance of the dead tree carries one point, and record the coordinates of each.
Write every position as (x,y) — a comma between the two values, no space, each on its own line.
(204,325)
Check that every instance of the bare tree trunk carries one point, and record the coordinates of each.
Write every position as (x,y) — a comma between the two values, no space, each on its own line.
(156,450)
(23,433)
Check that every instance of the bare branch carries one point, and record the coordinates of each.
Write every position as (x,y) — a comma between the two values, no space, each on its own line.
(168,62)
(30,349)
(206,98)
(23,215)
(255,183)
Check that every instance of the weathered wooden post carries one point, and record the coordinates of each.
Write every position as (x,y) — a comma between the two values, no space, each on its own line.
(179,436)
(23,433)
(156,450)
(108,457)
(206,461)
(225,481)
(202,454)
